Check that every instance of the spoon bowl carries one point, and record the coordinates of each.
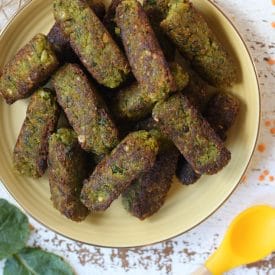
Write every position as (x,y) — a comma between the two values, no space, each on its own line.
(249,238)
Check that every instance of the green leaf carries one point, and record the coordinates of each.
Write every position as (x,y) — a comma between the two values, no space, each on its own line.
(14,229)
(34,261)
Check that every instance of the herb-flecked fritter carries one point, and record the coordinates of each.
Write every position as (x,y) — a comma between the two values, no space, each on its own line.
(136,154)
(155,18)
(61,43)
(192,134)
(185,172)
(110,24)
(198,91)
(98,8)
(195,40)
(159,7)
(221,114)
(91,42)
(85,110)
(166,45)
(147,194)
(67,170)
(133,102)
(31,66)
(143,51)
(31,149)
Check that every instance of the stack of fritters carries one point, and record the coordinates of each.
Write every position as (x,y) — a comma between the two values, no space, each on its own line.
(122,56)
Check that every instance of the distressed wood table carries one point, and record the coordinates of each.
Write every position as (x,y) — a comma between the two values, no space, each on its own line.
(255,19)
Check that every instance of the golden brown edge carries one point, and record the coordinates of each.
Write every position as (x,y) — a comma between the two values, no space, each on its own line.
(218,207)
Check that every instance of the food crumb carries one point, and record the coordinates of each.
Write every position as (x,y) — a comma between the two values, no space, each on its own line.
(265,172)
(273,24)
(81,138)
(261,178)
(105,38)
(271,178)
(273,2)
(270,61)
(261,147)
(244,178)
(267,123)
(272,131)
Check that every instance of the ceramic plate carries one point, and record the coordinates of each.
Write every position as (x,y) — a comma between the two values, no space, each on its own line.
(185,206)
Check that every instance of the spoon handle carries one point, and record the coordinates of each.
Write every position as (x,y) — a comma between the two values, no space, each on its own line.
(202,270)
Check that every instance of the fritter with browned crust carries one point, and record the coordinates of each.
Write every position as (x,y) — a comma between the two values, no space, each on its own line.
(191,34)
(31,66)
(143,51)
(85,110)
(31,149)
(68,167)
(91,42)
(192,134)
(135,155)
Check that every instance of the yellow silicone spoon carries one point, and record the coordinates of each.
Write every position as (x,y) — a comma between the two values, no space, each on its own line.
(249,238)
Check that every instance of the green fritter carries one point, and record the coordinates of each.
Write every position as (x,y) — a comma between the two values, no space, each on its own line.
(180,75)
(110,24)
(185,172)
(98,8)
(155,18)
(91,42)
(195,40)
(133,102)
(147,194)
(147,124)
(61,43)
(159,7)
(166,45)
(67,169)
(143,51)
(85,110)
(198,91)
(135,155)
(30,67)
(192,134)
(31,149)
(221,114)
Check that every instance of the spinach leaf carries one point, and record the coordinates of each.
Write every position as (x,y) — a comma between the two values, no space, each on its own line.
(14,229)
(34,261)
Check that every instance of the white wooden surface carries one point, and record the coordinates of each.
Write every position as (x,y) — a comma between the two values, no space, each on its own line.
(183,254)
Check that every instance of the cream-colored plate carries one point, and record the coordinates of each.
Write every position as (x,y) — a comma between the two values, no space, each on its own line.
(185,206)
